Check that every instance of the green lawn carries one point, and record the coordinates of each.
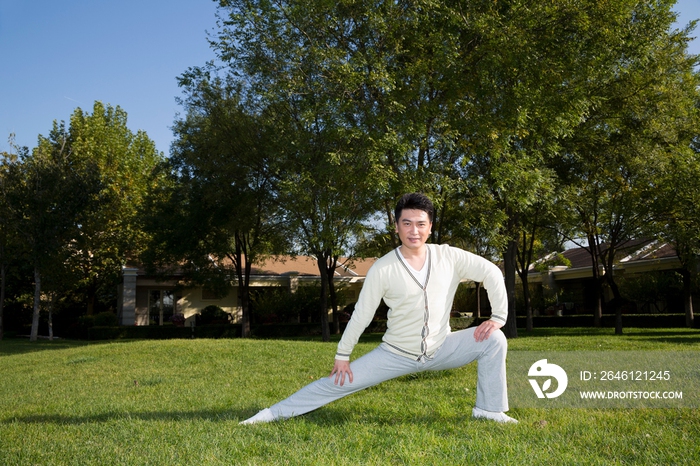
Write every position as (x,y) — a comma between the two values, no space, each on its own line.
(180,401)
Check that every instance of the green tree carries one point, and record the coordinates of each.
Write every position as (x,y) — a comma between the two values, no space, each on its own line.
(49,196)
(325,204)
(327,186)
(676,216)
(474,103)
(614,160)
(7,233)
(217,212)
(536,73)
(111,235)
(524,75)
(538,241)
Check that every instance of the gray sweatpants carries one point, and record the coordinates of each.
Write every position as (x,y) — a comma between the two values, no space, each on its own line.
(380,364)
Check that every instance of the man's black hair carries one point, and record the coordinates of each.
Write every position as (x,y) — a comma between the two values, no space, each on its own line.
(415,201)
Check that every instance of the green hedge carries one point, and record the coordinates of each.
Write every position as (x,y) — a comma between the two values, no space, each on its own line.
(154,332)
(286,330)
(138,333)
(165,332)
(608,320)
(157,332)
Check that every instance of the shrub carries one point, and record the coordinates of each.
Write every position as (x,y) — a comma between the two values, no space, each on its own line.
(278,305)
(178,319)
(212,315)
(86,322)
(105,319)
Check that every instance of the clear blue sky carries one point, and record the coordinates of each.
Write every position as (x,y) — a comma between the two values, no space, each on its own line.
(56,55)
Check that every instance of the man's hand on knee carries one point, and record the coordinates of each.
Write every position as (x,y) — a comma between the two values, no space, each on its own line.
(340,370)
(485,329)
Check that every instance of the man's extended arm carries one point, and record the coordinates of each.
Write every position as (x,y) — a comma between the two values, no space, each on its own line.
(367,303)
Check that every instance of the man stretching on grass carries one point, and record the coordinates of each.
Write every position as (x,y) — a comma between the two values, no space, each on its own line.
(418,282)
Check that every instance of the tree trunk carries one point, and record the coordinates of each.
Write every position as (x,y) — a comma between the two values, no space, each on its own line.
(617,297)
(244,296)
(37,304)
(524,260)
(91,302)
(478,301)
(598,311)
(2,297)
(687,298)
(528,304)
(334,297)
(610,280)
(243,265)
(510,329)
(324,298)
(618,320)
(51,317)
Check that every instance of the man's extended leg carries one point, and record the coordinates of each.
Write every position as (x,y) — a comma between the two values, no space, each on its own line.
(460,348)
(375,367)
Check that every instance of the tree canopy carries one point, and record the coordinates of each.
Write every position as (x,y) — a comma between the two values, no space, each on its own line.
(494,107)
(526,121)
(72,204)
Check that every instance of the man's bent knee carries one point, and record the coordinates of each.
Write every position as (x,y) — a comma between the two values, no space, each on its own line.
(497,339)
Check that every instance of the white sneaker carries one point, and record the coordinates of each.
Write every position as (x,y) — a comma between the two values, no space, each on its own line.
(263,416)
(479,413)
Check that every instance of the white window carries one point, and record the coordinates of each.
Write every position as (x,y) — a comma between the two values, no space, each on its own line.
(160,306)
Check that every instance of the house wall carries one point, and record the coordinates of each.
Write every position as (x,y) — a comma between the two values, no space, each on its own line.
(135,292)
(192,302)
(126,298)
(578,290)
(141,306)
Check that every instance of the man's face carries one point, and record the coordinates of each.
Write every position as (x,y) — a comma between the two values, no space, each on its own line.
(414,228)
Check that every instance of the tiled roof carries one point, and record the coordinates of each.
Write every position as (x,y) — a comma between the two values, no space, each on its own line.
(632,251)
(302,265)
(307,266)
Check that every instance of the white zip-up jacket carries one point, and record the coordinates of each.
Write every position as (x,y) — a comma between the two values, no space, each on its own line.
(418,320)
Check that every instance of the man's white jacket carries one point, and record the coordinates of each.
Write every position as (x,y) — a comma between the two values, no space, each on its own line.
(418,320)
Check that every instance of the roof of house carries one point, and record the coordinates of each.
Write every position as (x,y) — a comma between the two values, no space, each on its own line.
(632,251)
(301,265)
(307,266)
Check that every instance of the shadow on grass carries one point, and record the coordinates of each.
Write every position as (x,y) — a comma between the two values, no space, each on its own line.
(565,331)
(335,338)
(13,346)
(591,331)
(428,375)
(331,417)
(678,340)
(67,419)
(322,416)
